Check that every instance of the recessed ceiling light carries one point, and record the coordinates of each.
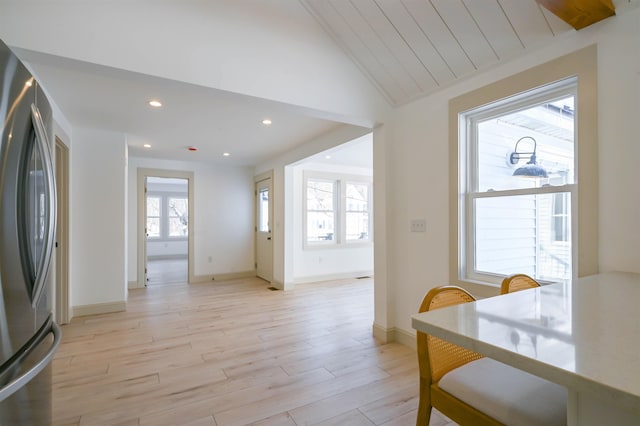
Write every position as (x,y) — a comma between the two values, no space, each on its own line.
(328,157)
(155,103)
(226,154)
(266,122)
(147,145)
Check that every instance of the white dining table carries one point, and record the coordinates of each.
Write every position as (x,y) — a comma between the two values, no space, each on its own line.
(583,335)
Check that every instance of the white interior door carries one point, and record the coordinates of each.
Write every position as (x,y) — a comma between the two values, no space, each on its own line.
(264,241)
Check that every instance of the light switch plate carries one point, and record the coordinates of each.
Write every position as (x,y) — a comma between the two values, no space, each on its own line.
(418,225)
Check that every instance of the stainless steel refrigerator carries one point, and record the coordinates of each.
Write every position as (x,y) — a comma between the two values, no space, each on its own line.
(28,335)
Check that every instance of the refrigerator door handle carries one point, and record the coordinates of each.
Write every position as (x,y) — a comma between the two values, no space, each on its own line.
(20,381)
(49,240)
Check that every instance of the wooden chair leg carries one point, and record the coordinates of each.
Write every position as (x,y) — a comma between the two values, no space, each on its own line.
(424,404)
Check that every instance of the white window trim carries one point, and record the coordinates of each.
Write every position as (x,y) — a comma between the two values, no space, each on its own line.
(469,187)
(584,203)
(340,181)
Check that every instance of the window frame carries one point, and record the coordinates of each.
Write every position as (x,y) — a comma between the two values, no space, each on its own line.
(581,64)
(469,140)
(340,182)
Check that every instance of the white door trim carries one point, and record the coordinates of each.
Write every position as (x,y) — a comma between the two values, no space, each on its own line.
(62,233)
(257,179)
(142,246)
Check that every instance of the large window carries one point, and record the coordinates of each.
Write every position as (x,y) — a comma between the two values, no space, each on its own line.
(524,175)
(520,162)
(338,209)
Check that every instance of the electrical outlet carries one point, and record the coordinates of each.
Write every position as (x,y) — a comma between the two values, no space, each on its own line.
(418,225)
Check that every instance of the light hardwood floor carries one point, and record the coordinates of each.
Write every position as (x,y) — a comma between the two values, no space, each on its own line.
(166,271)
(235,353)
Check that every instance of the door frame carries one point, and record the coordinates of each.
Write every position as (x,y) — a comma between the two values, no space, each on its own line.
(143,173)
(257,179)
(62,232)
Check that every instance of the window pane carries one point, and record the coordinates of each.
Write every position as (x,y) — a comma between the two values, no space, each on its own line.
(546,129)
(153,227)
(517,235)
(153,206)
(357,197)
(263,210)
(357,211)
(178,217)
(177,228)
(320,195)
(320,226)
(357,225)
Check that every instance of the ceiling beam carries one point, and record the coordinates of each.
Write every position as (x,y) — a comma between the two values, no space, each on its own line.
(580,13)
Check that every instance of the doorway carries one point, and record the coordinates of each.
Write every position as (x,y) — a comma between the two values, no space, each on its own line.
(167,220)
(264,214)
(165,227)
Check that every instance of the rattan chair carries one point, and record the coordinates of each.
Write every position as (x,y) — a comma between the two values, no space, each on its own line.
(436,357)
(517,282)
(495,393)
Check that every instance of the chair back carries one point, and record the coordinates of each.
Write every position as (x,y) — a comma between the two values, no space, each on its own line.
(517,282)
(436,357)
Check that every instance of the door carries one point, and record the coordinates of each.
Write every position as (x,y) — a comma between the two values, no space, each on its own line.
(264,241)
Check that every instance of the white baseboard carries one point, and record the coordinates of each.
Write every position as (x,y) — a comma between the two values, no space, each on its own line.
(383,334)
(331,277)
(393,334)
(222,277)
(99,308)
(405,338)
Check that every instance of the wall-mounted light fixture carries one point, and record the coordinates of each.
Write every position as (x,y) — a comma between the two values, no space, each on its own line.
(531,169)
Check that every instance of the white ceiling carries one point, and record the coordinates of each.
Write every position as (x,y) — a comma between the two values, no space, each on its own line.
(407,48)
(211,120)
(411,48)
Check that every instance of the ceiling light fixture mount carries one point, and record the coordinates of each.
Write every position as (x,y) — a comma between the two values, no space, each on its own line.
(531,169)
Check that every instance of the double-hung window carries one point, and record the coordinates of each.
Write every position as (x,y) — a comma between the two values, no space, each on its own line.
(525,169)
(338,209)
(520,159)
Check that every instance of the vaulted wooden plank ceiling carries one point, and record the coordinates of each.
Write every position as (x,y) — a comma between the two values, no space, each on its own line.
(411,48)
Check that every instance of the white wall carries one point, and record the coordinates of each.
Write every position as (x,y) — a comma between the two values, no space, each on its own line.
(97,222)
(167,249)
(223,223)
(419,162)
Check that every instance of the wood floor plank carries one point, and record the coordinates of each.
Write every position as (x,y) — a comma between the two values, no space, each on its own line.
(235,353)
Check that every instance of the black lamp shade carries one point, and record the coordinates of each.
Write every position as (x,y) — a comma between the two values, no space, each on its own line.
(531,170)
